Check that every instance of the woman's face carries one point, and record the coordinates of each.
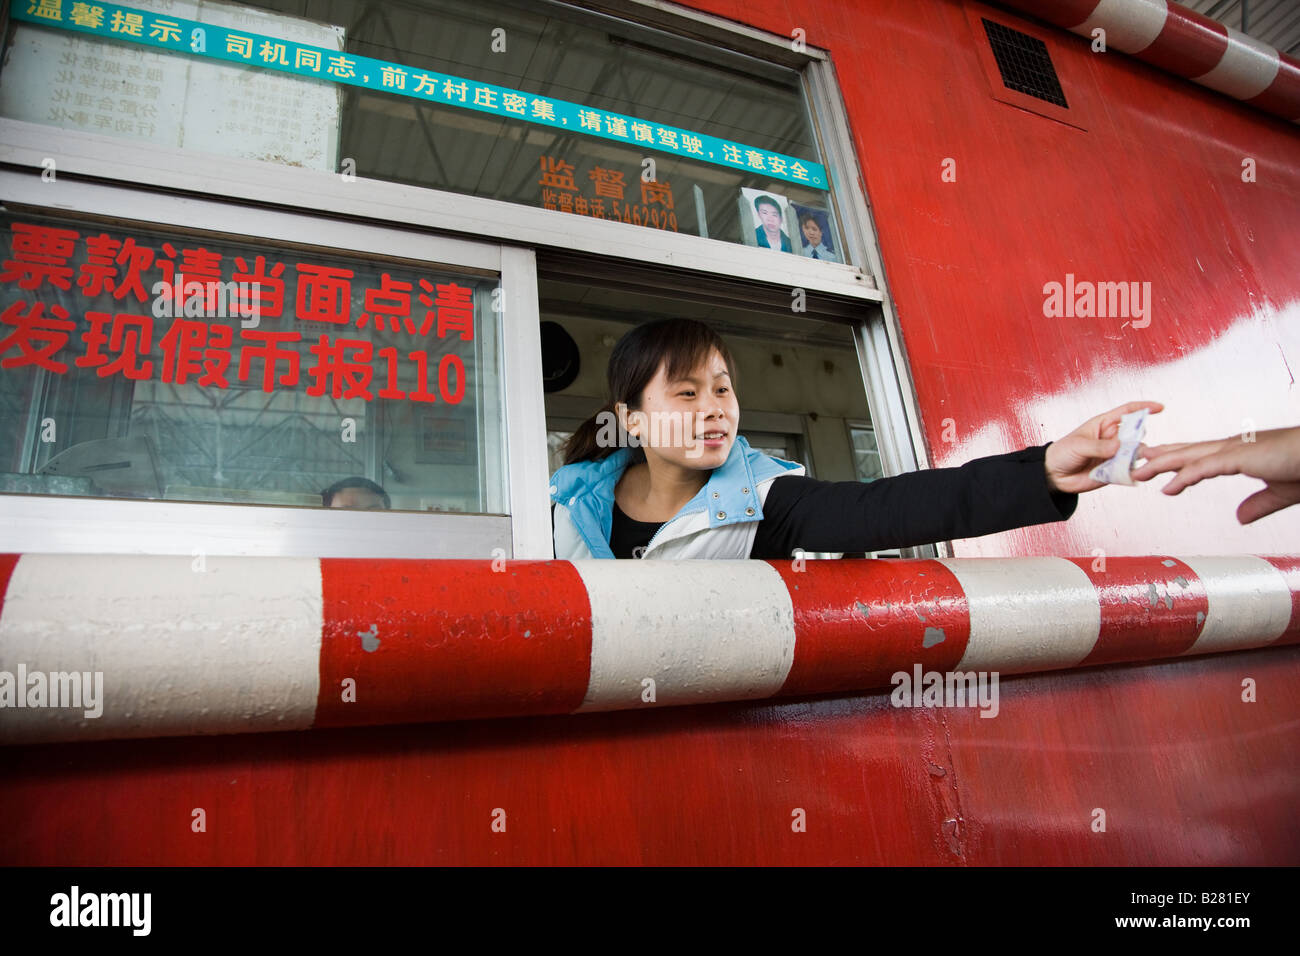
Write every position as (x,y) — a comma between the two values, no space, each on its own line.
(691,422)
(812,232)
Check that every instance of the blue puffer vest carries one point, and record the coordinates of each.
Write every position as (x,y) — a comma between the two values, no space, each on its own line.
(719,522)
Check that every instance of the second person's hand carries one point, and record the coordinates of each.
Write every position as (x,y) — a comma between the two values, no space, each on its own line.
(1272,456)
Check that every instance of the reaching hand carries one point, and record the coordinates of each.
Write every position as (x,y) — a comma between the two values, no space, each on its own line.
(1070,459)
(1273,456)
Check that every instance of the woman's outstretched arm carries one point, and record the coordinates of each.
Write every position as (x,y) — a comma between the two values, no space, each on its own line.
(1032,486)
(920,507)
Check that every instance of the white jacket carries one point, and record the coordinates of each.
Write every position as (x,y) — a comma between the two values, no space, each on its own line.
(719,522)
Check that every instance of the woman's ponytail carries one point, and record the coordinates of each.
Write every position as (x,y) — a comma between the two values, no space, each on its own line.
(582,444)
(599,437)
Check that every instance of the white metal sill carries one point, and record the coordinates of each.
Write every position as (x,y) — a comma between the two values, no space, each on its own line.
(266,184)
(47,525)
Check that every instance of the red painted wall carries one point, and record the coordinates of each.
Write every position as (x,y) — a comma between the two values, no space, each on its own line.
(1185,771)
(1151,191)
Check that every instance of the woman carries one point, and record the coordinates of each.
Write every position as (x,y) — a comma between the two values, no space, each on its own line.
(660,472)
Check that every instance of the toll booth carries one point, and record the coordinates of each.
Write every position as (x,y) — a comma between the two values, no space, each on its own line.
(302,301)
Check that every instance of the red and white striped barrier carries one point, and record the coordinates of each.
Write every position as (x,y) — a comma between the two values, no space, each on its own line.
(1180,41)
(260,644)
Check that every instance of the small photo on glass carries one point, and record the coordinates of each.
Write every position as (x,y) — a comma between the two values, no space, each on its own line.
(816,237)
(771,219)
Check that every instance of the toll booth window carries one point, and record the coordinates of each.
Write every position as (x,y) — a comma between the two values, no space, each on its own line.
(540,104)
(137,363)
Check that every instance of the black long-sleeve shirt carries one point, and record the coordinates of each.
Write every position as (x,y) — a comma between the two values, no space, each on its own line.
(983,496)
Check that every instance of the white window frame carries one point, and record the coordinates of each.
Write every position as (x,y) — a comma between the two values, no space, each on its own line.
(262,183)
(46,524)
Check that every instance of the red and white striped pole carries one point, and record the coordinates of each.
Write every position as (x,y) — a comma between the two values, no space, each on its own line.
(264,644)
(1173,38)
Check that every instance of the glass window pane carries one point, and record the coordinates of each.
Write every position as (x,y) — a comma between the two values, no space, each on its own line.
(866,456)
(137,363)
(555,440)
(115,82)
(539,104)
(777,445)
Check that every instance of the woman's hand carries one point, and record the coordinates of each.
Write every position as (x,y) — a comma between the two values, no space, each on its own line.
(1070,459)
(1271,456)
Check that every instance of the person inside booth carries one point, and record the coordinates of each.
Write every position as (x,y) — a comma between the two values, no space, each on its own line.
(357,493)
(661,472)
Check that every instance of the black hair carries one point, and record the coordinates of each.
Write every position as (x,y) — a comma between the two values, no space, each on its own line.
(328,494)
(680,344)
(766,199)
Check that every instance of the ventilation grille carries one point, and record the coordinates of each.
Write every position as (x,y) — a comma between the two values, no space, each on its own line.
(1024,63)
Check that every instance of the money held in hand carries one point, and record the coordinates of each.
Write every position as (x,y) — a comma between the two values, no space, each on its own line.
(1115,470)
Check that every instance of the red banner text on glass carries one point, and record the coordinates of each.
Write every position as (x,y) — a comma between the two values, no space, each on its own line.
(185,287)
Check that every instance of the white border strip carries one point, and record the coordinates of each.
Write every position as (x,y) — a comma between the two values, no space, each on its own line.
(1131,25)
(1026,614)
(233,647)
(1249,602)
(1248,67)
(727,634)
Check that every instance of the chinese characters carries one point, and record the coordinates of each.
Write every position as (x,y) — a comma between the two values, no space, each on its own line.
(328,331)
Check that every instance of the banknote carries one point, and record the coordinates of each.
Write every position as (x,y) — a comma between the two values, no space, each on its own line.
(1115,470)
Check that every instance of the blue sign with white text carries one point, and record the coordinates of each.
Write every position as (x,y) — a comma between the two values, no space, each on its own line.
(160,31)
